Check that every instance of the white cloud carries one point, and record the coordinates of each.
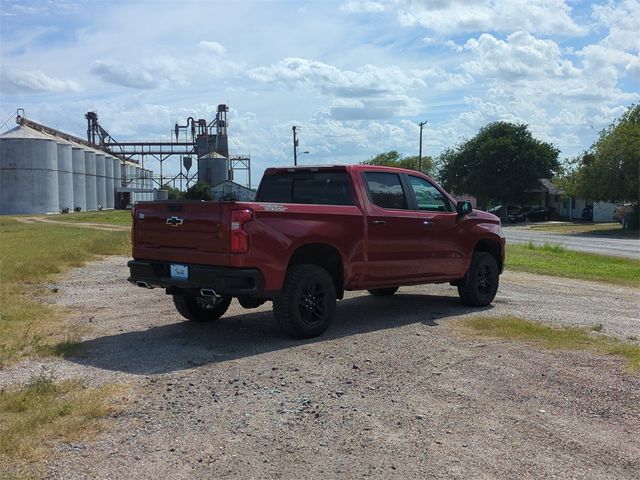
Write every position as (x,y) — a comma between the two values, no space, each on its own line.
(456,16)
(19,82)
(149,75)
(520,56)
(623,21)
(363,6)
(213,47)
(371,92)
(111,71)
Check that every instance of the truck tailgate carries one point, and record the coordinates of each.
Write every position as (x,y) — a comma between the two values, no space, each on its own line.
(185,225)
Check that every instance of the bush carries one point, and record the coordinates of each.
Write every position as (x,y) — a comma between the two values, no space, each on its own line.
(200,191)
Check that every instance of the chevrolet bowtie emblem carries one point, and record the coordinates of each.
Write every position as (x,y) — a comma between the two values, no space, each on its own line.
(174,221)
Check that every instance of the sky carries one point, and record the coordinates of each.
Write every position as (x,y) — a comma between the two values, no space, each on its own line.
(357,76)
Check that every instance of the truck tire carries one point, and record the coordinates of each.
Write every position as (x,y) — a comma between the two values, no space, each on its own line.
(383,292)
(479,287)
(200,309)
(307,302)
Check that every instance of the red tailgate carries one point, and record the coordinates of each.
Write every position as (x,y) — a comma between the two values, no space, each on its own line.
(190,226)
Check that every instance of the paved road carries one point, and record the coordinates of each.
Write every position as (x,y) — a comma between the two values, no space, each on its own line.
(619,247)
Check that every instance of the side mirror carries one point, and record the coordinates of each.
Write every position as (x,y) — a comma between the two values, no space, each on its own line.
(464,208)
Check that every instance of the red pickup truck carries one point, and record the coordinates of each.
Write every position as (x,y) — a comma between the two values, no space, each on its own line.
(311,234)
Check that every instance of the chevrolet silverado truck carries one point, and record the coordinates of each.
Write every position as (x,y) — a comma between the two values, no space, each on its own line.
(311,234)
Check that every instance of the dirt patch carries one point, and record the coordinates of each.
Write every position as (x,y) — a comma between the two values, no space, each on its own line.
(390,391)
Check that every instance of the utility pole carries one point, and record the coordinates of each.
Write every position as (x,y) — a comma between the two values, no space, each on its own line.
(422,124)
(295,146)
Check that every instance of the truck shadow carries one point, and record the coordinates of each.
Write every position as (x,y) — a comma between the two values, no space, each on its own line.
(183,345)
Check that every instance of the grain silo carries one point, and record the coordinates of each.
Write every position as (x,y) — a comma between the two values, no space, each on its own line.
(28,172)
(213,168)
(65,175)
(90,179)
(108,175)
(101,181)
(79,186)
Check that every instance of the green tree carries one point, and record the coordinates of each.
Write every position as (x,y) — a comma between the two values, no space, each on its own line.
(395,159)
(499,164)
(173,193)
(199,191)
(610,169)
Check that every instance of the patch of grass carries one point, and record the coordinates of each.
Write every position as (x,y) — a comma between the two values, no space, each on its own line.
(29,255)
(115,217)
(566,338)
(546,247)
(613,229)
(36,416)
(555,260)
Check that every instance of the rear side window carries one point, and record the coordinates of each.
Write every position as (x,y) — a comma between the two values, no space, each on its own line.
(386,190)
(321,188)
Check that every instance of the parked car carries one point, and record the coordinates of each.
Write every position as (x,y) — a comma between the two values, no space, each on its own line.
(514,213)
(537,213)
(620,210)
(312,234)
(587,213)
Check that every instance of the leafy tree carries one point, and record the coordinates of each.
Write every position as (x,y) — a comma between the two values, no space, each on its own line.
(395,159)
(199,191)
(610,169)
(499,164)
(173,193)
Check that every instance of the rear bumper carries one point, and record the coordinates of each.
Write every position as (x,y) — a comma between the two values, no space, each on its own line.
(224,280)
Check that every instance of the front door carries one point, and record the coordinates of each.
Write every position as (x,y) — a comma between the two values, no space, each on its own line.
(394,246)
(441,234)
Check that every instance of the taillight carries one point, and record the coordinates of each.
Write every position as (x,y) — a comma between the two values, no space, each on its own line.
(239,236)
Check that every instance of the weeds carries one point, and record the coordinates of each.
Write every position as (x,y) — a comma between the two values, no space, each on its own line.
(31,254)
(43,412)
(567,338)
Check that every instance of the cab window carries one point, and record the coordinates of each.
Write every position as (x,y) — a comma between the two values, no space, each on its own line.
(428,197)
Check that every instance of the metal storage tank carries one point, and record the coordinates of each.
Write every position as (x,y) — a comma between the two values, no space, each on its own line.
(148,185)
(131,182)
(213,168)
(108,169)
(101,181)
(90,179)
(28,172)
(138,176)
(79,187)
(117,179)
(65,175)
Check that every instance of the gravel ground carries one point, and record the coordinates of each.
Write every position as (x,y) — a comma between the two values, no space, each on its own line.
(392,390)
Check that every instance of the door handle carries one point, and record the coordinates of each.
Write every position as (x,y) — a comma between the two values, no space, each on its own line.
(427,223)
(379,222)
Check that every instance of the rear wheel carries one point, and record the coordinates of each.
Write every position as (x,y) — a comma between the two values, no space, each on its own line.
(307,302)
(201,309)
(479,287)
(383,292)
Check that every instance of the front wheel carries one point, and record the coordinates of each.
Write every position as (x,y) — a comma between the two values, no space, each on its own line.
(201,309)
(307,302)
(479,287)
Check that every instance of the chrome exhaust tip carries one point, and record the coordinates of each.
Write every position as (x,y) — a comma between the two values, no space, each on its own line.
(208,293)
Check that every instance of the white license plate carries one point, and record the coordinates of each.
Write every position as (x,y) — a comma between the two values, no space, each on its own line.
(179,271)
